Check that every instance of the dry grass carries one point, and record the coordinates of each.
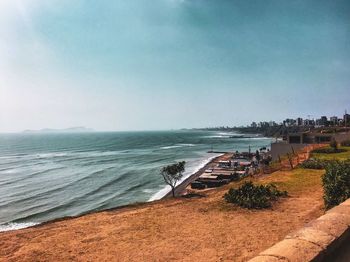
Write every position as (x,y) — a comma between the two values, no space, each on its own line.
(205,229)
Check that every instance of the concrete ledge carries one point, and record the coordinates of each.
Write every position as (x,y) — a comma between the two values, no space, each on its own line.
(346,203)
(332,224)
(294,250)
(267,258)
(313,236)
(317,241)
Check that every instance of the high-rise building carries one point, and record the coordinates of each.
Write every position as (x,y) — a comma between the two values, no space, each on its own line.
(323,121)
(299,121)
(309,122)
(346,119)
(333,120)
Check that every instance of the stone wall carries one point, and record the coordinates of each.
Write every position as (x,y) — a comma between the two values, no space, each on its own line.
(320,240)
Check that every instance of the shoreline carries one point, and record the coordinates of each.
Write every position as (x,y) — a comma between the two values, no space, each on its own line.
(180,189)
(206,224)
(194,171)
(166,190)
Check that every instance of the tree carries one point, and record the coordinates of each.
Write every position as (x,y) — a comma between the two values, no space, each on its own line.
(172,174)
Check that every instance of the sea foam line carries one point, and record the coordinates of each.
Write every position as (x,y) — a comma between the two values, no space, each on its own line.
(16,226)
(161,193)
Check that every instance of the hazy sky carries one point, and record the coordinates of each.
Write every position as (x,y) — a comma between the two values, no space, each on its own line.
(162,64)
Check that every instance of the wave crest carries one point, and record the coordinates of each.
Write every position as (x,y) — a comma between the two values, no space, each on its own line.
(16,226)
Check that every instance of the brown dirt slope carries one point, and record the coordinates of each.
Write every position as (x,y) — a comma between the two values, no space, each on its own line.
(203,229)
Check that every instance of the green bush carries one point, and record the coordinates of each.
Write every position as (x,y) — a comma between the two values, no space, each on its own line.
(251,196)
(336,183)
(345,143)
(328,150)
(314,164)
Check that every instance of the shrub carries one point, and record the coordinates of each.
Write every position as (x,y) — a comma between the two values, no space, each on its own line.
(314,164)
(336,183)
(250,196)
(328,150)
(345,143)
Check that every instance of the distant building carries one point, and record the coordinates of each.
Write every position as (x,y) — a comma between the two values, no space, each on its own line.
(308,138)
(346,119)
(263,124)
(299,121)
(289,122)
(273,123)
(323,121)
(316,137)
(309,122)
(333,120)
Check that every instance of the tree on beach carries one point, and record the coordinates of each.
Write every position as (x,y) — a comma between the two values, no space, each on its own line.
(172,174)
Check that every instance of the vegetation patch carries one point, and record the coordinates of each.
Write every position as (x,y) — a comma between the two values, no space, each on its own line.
(314,163)
(254,196)
(342,156)
(336,183)
(345,143)
(298,180)
(328,150)
(331,149)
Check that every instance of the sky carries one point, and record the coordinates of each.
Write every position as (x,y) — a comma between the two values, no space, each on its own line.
(169,64)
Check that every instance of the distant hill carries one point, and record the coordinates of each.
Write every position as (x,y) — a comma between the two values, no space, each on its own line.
(78,129)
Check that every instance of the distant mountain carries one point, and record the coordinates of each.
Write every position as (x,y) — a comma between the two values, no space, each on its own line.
(79,129)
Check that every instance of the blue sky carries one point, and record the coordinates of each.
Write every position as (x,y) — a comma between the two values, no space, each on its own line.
(163,64)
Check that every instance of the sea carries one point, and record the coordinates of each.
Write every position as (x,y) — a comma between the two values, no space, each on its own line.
(45,176)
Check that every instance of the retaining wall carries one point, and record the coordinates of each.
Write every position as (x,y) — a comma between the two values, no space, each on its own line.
(281,149)
(321,240)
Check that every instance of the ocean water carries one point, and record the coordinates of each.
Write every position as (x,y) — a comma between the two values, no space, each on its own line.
(49,176)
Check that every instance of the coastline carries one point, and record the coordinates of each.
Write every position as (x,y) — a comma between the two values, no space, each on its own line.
(195,167)
(206,224)
(187,179)
(180,189)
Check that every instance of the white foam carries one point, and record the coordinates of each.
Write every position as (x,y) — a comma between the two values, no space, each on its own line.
(148,190)
(170,147)
(16,226)
(51,155)
(186,145)
(177,146)
(165,190)
(226,134)
(160,194)
(256,138)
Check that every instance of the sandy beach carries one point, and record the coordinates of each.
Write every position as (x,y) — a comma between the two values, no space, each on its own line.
(181,188)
